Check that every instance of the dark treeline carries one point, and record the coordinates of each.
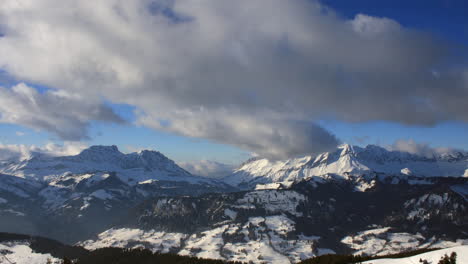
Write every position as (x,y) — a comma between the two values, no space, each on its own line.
(79,255)
(347,259)
(140,256)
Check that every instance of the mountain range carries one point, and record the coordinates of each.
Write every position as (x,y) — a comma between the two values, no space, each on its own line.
(346,161)
(352,200)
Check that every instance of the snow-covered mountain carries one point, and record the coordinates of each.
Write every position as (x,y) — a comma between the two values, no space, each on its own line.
(102,171)
(308,219)
(131,168)
(348,161)
(88,190)
(304,207)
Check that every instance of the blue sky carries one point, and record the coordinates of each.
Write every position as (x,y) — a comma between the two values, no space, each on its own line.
(446,19)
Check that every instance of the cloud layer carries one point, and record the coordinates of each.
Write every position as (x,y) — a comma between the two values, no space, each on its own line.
(59,112)
(421,149)
(208,168)
(247,73)
(19,152)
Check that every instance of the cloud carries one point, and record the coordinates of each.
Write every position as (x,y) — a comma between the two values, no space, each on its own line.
(251,74)
(13,151)
(20,151)
(56,111)
(207,168)
(20,133)
(269,137)
(65,149)
(421,149)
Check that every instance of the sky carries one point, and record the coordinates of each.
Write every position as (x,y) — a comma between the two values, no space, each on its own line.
(221,81)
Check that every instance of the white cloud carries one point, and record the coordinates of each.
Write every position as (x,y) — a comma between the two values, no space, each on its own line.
(65,149)
(64,114)
(13,151)
(419,148)
(253,74)
(20,151)
(20,133)
(370,26)
(207,168)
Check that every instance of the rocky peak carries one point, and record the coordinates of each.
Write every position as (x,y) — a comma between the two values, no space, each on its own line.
(346,149)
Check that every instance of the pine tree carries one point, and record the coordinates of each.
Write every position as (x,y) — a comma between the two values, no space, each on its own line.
(449,260)
(423,261)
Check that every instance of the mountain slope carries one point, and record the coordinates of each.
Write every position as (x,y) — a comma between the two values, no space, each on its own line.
(131,168)
(348,161)
(310,218)
(337,202)
(44,195)
(431,257)
(24,249)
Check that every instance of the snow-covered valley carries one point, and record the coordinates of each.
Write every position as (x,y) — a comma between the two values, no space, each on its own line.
(354,200)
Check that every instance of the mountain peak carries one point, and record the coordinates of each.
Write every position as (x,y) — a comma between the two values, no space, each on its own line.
(131,168)
(346,149)
(102,149)
(101,153)
(350,160)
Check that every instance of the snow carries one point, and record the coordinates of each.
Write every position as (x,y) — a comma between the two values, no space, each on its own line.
(419,206)
(362,186)
(381,241)
(446,244)
(255,252)
(11,211)
(18,186)
(102,194)
(54,196)
(265,240)
(406,171)
(274,186)
(86,203)
(21,253)
(208,243)
(96,161)
(280,224)
(150,181)
(127,237)
(432,257)
(230,213)
(344,162)
(273,201)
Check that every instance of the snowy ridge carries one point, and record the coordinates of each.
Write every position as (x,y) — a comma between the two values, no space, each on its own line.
(385,241)
(269,240)
(260,240)
(131,168)
(90,190)
(99,173)
(21,253)
(349,161)
(287,226)
(432,257)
